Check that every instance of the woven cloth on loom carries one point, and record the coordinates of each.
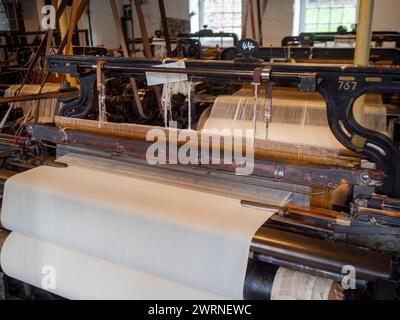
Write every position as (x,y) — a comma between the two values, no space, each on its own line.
(48,107)
(298,121)
(191,239)
(82,277)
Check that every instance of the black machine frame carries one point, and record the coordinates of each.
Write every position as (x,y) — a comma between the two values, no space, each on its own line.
(287,53)
(340,86)
(309,38)
(208,33)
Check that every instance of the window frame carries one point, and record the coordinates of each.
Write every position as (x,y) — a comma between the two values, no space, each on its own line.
(201,22)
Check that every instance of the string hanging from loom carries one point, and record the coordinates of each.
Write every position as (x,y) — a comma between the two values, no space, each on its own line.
(101,91)
(170,89)
(255,103)
(297,126)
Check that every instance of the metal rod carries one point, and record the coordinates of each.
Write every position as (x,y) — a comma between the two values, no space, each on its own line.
(321,254)
(196,72)
(305,269)
(266,75)
(40,96)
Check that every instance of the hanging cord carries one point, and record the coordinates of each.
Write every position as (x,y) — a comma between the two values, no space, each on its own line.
(189,87)
(170,89)
(101,92)
(166,103)
(166,99)
(65,134)
(189,95)
(256,84)
(268,107)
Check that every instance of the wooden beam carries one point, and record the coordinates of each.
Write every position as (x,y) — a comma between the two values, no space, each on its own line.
(43,44)
(118,25)
(165,27)
(125,53)
(81,9)
(244,23)
(252,22)
(259,22)
(39,96)
(72,23)
(143,30)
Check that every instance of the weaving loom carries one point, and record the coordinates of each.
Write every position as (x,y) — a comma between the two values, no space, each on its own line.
(48,108)
(298,119)
(96,201)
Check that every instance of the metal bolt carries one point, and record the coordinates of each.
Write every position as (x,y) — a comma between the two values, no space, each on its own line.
(390,245)
(372,220)
(120,149)
(279,172)
(365,177)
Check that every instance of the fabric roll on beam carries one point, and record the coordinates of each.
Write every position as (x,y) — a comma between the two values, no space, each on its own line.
(48,107)
(78,276)
(73,275)
(195,239)
(3,236)
(297,118)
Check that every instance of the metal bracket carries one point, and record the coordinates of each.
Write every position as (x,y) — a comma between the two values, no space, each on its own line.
(80,107)
(340,96)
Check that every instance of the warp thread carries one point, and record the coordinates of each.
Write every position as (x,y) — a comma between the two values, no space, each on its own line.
(173,88)
(101,92)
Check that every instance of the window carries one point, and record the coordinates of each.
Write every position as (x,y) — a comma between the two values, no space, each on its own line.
(218,15)
(327,15)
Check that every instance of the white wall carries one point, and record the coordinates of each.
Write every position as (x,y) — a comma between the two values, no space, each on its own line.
(277,22)
(387,15)
(31,16)
(104,31)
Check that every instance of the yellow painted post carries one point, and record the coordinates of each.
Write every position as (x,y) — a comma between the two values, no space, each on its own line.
(64,26)
(363,48)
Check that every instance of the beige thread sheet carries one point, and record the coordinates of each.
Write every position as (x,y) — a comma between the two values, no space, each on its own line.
(82,277)
(195,239)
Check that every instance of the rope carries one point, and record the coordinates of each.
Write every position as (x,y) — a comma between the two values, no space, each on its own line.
(256,84)
(101,93)
(173,88)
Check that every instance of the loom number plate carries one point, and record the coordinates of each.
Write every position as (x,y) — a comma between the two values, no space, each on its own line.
(247,47)
(347,85)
